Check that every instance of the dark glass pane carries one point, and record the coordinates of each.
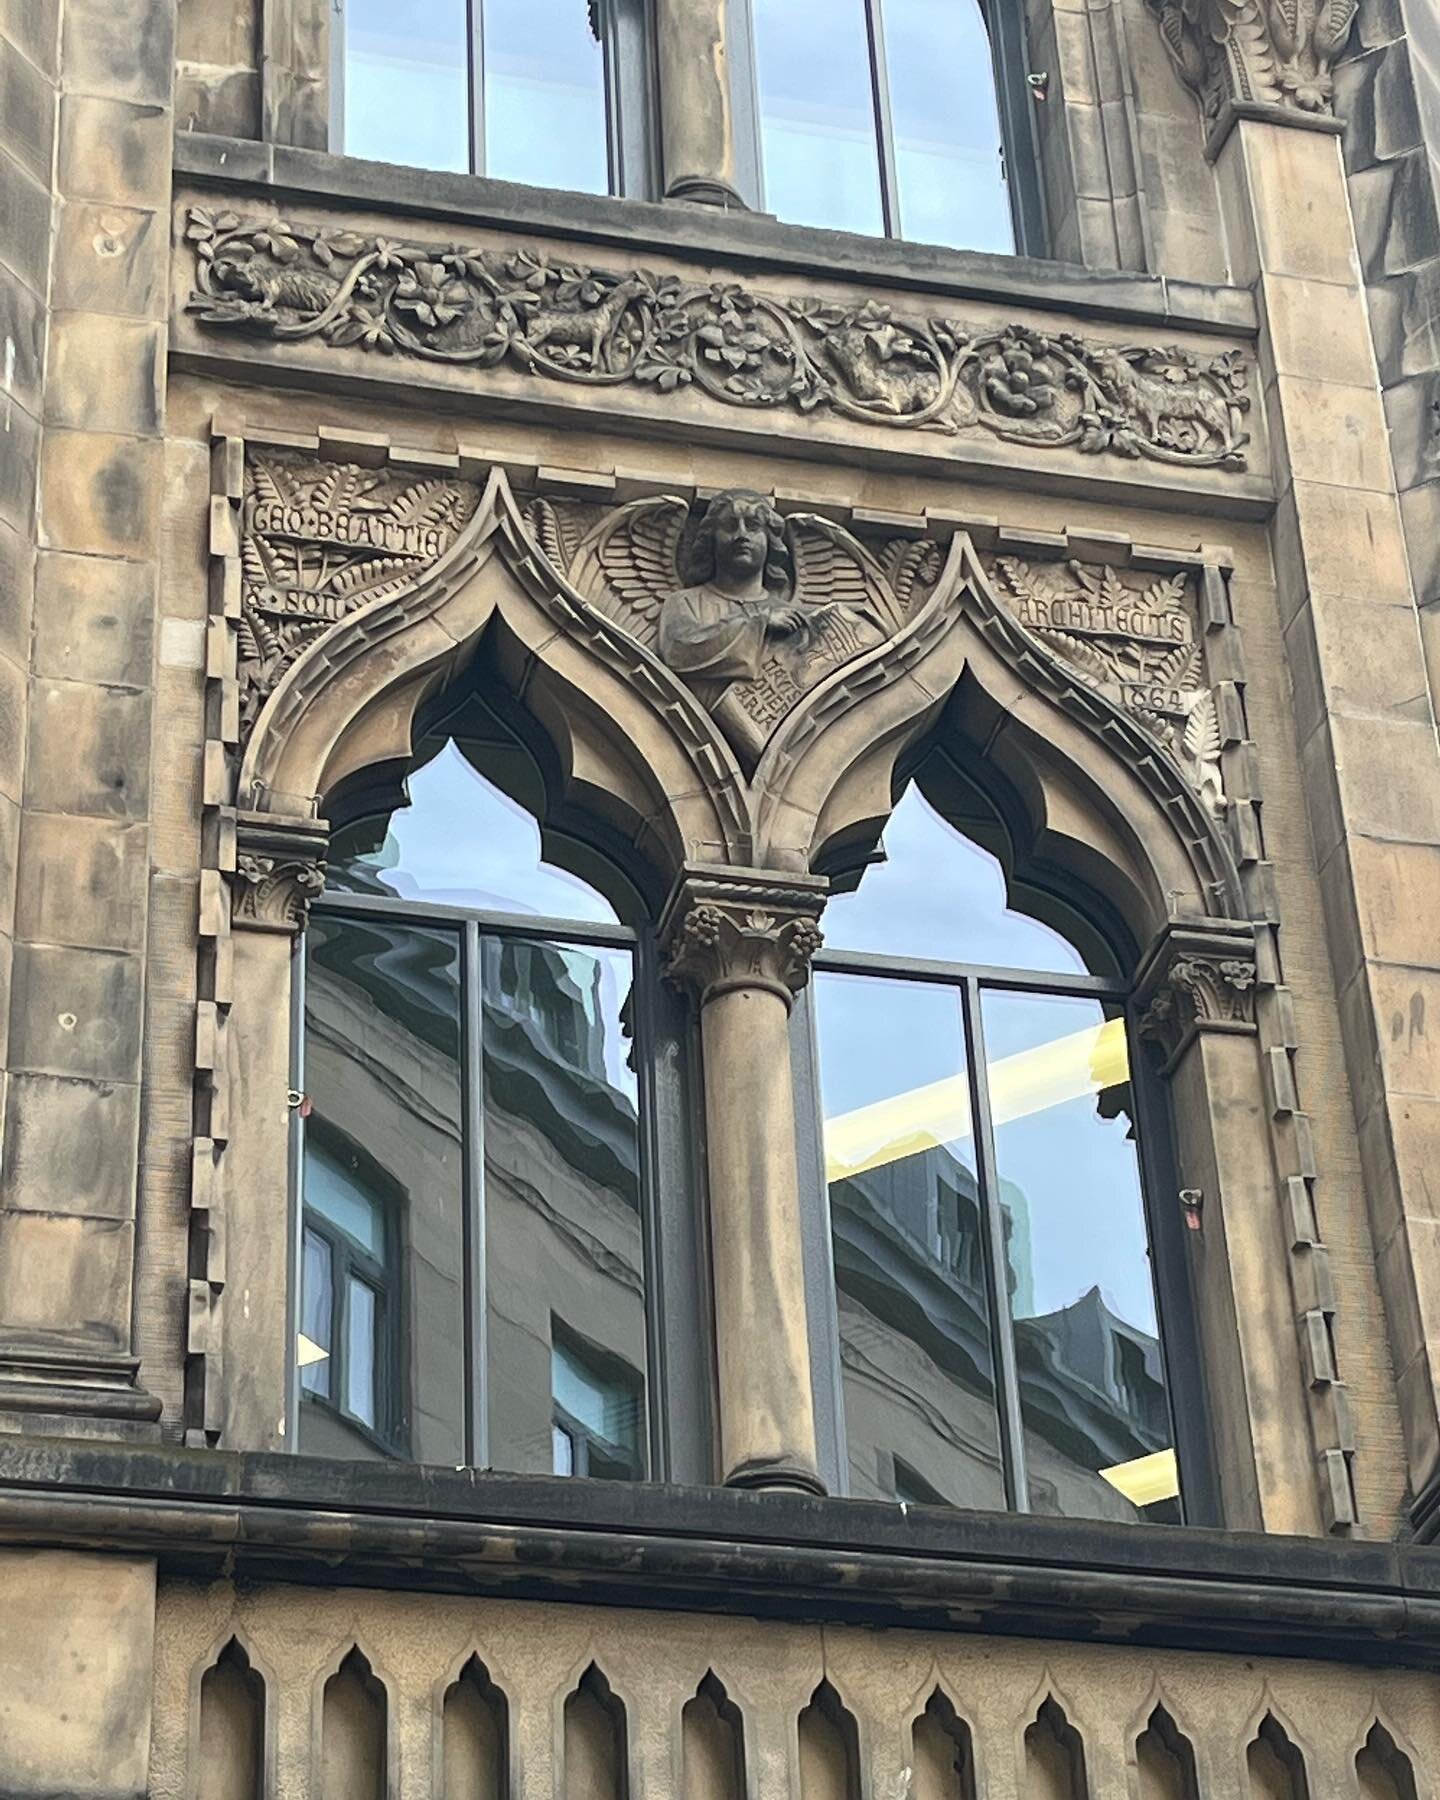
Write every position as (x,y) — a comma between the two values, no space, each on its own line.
(938,897)
(563,1222)
(463,842)
(383,1183)
(817,114)
(407,82)
(544,96)
(1097,1419)
(946,125)
(317,1308)
(905,1222)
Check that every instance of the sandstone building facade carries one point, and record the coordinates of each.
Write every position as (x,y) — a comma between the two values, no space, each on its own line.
(719,848)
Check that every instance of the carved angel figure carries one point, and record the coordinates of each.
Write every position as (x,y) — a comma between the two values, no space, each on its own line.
(751,609)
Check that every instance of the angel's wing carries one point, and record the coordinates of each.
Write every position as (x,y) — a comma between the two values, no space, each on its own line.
(831,566)
(629,562)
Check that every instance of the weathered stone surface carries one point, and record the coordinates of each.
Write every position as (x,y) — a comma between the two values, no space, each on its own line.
(65,1282)
(107,260)
(82,883)
(100,492)
(77,1013)
(116,152)
(105,374)
(89,750)
(27,106)
(92,619)
(88,1625)
(70,1146)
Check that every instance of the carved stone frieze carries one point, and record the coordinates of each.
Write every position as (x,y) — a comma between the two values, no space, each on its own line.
(741,928)
(320,539)
(1266,52)
(1195,979)
(555,320)
(279,870)
(1133,638)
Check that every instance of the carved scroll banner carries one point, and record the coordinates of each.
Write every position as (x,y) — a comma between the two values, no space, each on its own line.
(556,321)
(1134,639)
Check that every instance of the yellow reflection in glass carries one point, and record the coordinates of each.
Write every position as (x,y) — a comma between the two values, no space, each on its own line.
(1146,1479)
(939,1113)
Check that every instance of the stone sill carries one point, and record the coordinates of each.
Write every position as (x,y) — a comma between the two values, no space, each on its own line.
(753,241)
(307,1519)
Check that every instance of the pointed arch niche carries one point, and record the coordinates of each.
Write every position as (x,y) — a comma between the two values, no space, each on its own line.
(638,794)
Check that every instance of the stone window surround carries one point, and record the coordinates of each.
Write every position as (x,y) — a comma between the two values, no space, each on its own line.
(1206,1047)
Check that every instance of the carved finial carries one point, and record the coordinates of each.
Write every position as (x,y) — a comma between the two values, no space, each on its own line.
(728,928)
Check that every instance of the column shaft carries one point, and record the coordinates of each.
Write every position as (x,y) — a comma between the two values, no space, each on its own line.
(697,123)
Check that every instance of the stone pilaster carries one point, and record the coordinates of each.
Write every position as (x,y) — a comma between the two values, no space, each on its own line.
(279,869)
(1363,713)
(741,940)
(72,1106)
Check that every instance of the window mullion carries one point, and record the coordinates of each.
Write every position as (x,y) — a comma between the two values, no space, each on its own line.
(1002,1332)
(476,1310)
(884,128)
(475,21)
(295,1151)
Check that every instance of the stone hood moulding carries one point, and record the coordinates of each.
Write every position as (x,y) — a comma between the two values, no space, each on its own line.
(737,680)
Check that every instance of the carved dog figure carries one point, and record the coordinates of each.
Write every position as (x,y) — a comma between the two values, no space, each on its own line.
(584,328)
(1158,405)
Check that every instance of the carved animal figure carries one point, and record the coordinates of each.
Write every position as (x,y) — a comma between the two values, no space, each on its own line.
(863,359)
(294,290)
(1158,405)
(582,328)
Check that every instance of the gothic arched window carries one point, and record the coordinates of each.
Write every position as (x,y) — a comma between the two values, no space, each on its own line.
(995,1302)
(481,1228)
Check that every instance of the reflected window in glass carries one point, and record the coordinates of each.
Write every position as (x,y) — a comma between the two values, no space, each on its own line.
(473,1261)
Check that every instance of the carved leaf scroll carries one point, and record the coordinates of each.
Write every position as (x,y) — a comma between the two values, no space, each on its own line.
(554,320)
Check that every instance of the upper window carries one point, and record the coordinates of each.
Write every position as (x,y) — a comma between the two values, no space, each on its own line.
(554,93)
(881,116)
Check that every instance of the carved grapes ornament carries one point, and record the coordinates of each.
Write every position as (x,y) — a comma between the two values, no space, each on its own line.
(558,321)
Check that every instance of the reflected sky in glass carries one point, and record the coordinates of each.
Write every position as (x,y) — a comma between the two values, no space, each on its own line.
(407,82)
(946,125)
(817,119)
(1076,1169)
(544,96)
(461,842)
(939,897)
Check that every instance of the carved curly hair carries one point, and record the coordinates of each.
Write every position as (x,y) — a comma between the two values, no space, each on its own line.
(697,562)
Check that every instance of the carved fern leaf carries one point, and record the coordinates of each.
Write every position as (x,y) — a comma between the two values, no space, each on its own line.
(369,571)
(1201,737)
(267,487)
(544,526)
(911,566)
(424,503)
(1166,594)
(1078,651)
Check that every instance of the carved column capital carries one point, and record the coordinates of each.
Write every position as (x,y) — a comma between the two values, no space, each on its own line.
(279,869)
(741,928)
(1278,53)
(1197,978)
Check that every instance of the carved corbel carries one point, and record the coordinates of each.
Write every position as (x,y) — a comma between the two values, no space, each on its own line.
(1257,52)
(1197,978)
(725,929)
(279,869)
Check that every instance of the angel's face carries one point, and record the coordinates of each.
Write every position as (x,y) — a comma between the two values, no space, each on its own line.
(741,540)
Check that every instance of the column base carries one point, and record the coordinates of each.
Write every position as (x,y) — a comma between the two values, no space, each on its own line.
(705,190)
(793,1478)
(73,1384)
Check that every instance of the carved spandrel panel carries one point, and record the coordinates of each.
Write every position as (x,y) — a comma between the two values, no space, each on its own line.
(481,308)
(1133,637)
(318,541)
